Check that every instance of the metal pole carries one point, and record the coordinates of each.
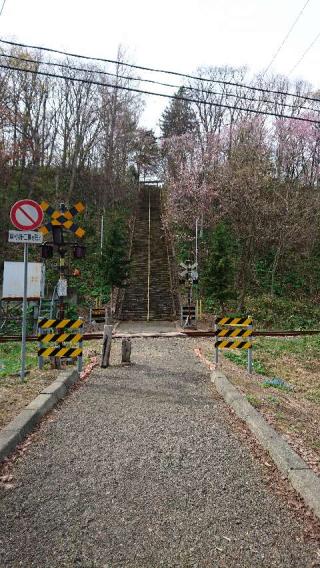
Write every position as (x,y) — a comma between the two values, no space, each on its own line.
(197,243)
(24,314)
(217,350)
(40,358)
(101,233)
(80,357)
(62,253)
(149,261)
(250,358)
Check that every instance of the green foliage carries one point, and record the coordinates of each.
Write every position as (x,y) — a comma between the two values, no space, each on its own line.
(114,262)
(273,400)
(184,245)
(296,274)
(13,320)
(178,118)
(240,357)
(283,313)
(277,383)
(304,348)
(10,357)
(99,272)
(314,396)
(146,152)
(254,400)
(219,268)
(91,284)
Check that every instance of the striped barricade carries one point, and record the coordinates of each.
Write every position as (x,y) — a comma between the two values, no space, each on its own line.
(60,338)
(234,333)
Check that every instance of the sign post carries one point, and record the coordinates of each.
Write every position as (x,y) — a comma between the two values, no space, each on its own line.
(25,215)
(24,313)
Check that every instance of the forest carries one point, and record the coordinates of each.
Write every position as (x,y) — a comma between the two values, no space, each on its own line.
(238,154)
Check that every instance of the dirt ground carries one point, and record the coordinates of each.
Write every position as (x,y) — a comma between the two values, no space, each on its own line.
(15,395)
(292,411)
(141,467)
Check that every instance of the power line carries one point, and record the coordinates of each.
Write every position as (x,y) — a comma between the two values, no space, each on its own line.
(153,70)
(305,53)
(163,95)
(116,75)
(3,3)
(287,35)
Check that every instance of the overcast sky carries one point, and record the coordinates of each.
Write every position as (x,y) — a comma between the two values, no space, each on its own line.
(173,34)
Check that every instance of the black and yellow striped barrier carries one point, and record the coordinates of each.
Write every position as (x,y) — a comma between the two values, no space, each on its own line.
(238,332)
(60,337)
(227,344)
(61,332)
(60,323)
(244,321)
(60,352)
(234,333)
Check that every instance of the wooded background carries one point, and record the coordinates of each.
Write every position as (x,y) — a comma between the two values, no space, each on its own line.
(251,180)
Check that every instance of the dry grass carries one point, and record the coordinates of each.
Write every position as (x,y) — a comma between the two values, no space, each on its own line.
(15,395)
(293,411)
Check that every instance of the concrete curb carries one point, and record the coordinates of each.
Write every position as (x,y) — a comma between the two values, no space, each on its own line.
(303,479)
(14,433)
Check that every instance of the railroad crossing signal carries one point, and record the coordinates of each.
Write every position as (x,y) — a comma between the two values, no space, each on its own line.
(188,267)
(190,271)
(62,219)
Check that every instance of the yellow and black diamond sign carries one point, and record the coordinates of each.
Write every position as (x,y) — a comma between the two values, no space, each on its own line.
(62,219)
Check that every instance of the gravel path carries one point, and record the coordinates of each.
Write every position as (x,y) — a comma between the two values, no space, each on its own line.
(139,468)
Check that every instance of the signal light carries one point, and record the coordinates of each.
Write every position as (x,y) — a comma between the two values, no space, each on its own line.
(57,233)
(79,251)
(46,251)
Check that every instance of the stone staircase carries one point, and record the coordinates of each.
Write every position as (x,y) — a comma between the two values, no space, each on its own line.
(150,277)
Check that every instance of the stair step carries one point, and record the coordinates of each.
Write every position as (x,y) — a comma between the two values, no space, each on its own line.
(161,300)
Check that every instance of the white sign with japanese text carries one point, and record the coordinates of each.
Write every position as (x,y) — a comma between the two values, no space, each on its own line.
(29,237)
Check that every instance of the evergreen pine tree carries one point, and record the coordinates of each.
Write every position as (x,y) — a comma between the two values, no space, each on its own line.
(114,260)
(178,118)
(219,269)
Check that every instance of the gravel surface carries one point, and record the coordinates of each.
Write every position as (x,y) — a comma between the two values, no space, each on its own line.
(139,468)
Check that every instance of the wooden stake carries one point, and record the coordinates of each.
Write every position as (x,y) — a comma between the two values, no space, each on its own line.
(106,346)
(126,351)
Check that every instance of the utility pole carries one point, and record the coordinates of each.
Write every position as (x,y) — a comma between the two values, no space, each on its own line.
(197,243)
(101,233)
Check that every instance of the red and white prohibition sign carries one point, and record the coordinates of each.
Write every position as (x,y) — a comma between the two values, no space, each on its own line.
(26,215)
